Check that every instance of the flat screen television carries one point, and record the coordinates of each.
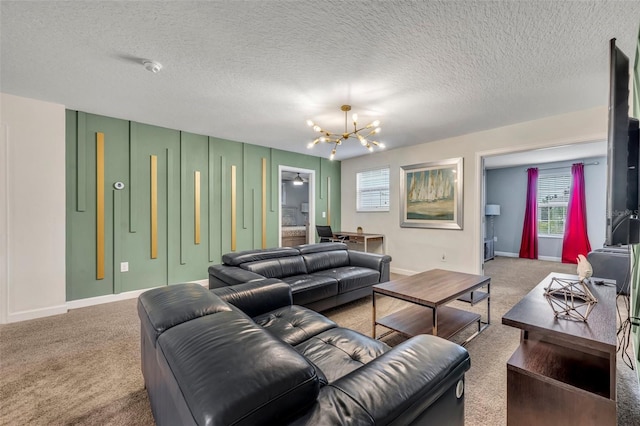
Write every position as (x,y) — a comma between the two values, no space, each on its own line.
(622,156)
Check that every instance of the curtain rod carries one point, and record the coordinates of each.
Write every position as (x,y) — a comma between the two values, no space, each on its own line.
(564,167)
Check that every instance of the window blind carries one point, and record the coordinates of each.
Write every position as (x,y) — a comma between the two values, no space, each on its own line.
(372,189)
(553,198)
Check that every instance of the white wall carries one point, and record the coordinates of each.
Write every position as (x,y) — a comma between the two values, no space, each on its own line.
(32,208)
(414,249)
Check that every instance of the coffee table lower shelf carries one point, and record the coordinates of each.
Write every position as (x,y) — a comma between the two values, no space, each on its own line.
(414,320)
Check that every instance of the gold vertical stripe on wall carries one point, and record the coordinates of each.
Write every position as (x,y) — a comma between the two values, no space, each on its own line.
(154,207)
(264,203)
(329,200)
(233,208)
(100,206)
(196,206)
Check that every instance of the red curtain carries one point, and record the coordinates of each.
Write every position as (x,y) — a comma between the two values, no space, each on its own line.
(529,242)
(576,240)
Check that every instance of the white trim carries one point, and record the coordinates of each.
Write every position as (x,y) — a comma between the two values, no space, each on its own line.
(506,254)
(402,271)
(4,224)
(37,313)
(550,258)
(99,300)
(547,258)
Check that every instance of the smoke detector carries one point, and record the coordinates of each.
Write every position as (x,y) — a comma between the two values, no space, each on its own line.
(152,66)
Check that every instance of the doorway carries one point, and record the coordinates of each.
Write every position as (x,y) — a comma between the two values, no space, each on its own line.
(503,193)
(297,221)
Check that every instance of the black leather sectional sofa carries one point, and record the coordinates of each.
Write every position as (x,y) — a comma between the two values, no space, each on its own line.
(244,355)
(321,276)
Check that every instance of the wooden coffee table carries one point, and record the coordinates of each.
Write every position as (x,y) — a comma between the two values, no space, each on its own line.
(429,292)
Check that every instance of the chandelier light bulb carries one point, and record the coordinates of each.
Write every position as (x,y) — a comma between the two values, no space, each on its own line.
(310,145)
(381,145)
(336,138)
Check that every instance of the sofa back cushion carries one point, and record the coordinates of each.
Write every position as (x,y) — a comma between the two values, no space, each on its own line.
(232,371)
(326,260)
(277,268)
(238,258)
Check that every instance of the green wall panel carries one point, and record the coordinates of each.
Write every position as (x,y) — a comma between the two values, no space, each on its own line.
(128,149)
(81,229)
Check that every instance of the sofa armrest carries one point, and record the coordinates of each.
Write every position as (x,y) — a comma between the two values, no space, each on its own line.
(257,297)
(224,275)
(400,385)
(379,262)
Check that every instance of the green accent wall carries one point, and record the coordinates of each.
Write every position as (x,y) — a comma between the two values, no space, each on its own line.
(128,149)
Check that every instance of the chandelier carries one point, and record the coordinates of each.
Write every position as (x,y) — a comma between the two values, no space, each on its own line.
(337,138)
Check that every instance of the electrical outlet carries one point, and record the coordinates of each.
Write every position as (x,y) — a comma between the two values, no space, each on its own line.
(495,239)
(324,214)
(124,266)
(443,258)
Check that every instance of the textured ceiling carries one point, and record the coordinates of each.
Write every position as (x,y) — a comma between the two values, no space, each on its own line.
(255,71)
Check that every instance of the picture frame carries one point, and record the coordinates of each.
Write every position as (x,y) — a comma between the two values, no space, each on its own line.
(431,194)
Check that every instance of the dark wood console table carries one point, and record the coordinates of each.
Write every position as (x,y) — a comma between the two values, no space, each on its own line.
(564,371)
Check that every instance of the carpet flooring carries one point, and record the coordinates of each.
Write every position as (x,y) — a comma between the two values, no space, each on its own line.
(83,368)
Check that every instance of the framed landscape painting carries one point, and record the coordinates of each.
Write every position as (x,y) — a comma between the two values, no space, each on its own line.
(431,195)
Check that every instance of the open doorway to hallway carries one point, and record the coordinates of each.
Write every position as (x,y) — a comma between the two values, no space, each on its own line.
(504,192)
(297,206)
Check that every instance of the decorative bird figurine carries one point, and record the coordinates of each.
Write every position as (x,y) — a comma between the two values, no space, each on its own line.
(585,270)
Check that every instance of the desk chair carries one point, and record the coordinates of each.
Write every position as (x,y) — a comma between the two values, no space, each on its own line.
(326,235)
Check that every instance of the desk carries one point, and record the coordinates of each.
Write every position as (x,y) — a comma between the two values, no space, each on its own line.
(365,239)
(564,371)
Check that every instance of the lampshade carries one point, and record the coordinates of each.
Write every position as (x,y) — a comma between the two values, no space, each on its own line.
(492,210)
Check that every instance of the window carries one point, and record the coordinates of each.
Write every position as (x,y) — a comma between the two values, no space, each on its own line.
(553,198)
(372,188)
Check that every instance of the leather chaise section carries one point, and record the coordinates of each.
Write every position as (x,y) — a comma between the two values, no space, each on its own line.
(425,365)
(294,324)
(223,363)
(339,351)
(213,364)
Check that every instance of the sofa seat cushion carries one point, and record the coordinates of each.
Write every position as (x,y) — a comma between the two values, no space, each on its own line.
(339,351)
(351,277)
(277,268)
(309,288)
(294,324)
(231,371)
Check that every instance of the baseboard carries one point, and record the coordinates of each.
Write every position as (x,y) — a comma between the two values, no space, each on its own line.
(547,258)
(550,258)
(36,313)
(402,271)
(99,300)
(506,254)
